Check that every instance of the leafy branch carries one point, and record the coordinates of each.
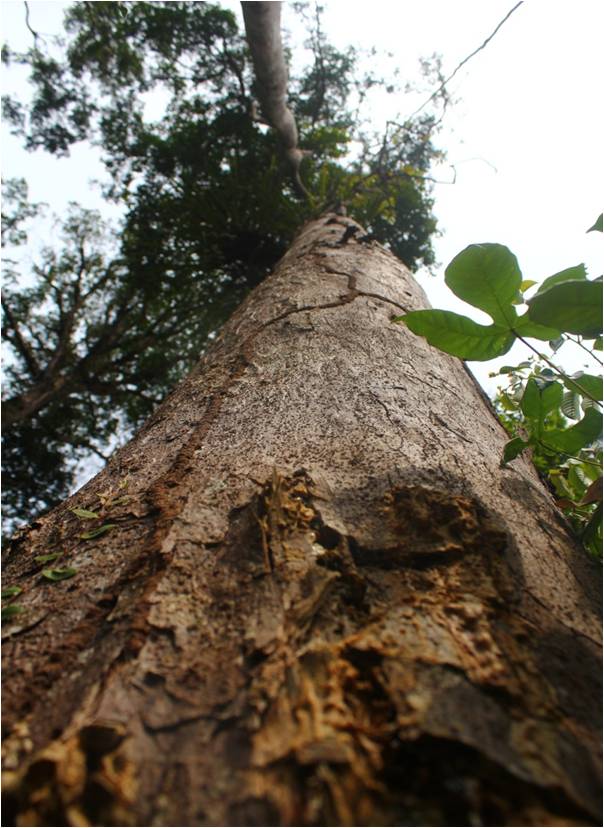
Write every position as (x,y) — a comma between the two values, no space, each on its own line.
(542,400)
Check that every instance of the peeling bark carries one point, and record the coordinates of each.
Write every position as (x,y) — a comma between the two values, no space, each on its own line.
(322,602)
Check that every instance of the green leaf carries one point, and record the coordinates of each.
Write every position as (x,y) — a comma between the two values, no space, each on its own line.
(507,403)
(573,307)
(42,559)
(59,574)
(551,397)
(86,514)
(488,277)
(11,592)
(597,225)
(590,383)
(459,335)
(100,530)
(525,326)
(529,403)
(571,440)
(512,449)
(10,611)
(526,284)
(537,402)
(598,344)
(571,274)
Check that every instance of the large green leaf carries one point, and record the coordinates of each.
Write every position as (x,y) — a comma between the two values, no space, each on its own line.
(488,277)
(571,274)
(571,440)
(525,326)
(573,307)
(458,335)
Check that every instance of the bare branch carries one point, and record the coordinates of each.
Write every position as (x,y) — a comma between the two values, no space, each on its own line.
(465,60)
(19,343)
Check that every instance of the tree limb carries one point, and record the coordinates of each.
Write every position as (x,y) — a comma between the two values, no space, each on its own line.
(19,343)
(263,29)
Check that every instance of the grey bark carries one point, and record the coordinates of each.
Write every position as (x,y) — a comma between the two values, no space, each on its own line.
(263,30)
(321,601)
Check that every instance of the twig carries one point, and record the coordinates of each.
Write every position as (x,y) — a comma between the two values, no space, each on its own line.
(465,60)
(560,372)
(37,37)
(578,342)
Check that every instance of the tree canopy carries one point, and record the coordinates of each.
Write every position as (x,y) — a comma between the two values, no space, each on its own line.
(111,318)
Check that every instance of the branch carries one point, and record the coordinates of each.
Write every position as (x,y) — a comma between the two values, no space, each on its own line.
(20,344)
(28,24)
(465,60)
(263,29)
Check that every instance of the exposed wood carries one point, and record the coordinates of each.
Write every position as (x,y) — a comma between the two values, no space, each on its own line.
(321,601)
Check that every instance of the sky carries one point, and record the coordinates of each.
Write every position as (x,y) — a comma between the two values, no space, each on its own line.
(523,141)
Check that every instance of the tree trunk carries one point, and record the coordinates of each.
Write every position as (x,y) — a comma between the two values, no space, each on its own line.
(319,601)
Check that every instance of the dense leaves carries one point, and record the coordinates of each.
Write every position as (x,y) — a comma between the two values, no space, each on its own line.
(542,401)
(112,319)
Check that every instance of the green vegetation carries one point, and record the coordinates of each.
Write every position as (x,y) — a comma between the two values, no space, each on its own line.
(557,416)
(109,320)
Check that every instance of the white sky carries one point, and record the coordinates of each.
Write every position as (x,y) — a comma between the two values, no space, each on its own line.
(525,137)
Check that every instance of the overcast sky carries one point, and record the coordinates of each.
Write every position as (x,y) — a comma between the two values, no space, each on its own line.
(524,138)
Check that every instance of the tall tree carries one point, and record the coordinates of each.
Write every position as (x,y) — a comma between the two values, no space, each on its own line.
(210,210)
(307,593)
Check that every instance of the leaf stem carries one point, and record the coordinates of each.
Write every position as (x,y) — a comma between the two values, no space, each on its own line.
(578,342)
(571,456)
(559,371)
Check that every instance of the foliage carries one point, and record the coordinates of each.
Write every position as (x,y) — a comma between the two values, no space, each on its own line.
(554,415)
(112,319)
(92,352)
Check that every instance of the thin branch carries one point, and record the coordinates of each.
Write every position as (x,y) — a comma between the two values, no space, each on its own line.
(20,343)
(578,342)
(560,372)
(465,60)
(37,37)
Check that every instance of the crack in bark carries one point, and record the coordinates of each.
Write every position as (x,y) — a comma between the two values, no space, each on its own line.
(374,396)
(442,423)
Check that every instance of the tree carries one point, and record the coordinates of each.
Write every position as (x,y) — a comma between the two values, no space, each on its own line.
(306,592)
(210,209)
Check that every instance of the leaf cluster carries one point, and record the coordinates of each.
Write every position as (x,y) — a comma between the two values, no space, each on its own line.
(555,415)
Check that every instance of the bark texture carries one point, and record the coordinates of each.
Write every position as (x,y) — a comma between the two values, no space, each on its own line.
(320,601)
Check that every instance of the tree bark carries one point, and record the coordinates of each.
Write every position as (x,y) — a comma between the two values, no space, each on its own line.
(319,601)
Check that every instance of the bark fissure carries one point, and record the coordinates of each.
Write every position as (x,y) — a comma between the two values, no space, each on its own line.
(294,623)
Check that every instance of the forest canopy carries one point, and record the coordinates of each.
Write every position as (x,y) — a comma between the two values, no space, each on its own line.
(110,318)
